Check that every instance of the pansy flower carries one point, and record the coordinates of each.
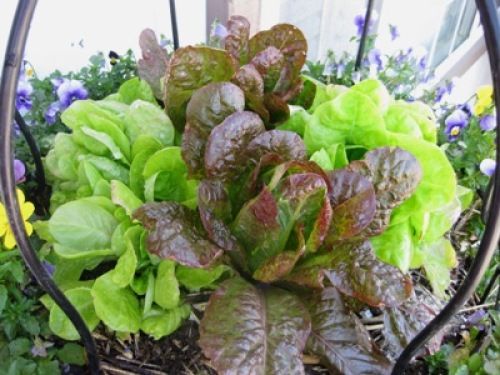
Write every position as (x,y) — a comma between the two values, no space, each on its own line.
(455,122)
(50,114)
(484,99)
(19,171)
(219,31)
(27,209)
(488,167)
(69,91)
(393,30)
(375,58)
(359,21)
(23,96)
(488,122)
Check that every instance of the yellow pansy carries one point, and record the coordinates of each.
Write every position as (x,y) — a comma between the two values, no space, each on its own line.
(27,209)
(484,99)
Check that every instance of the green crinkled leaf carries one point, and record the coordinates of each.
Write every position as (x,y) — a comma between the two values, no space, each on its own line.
(376,91)
(135,89)
(165,176)
(438,259)
(109,169)
(62,160)
(395,246)
(226,146)
(117,307)
(339,338)
(249,330)
(191,68)
(197,278)
(415,119)
(144,118)
(124,271)
(355,271)
(167,293)
(299,117)
(82,225)
(137,182)
(122,196)
(176,233)
(159,323)
(60,324)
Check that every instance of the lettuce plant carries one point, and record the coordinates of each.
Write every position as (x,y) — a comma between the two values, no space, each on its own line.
(297,236)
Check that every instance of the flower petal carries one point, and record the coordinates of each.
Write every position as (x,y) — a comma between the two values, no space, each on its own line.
(27,210)
(9,241)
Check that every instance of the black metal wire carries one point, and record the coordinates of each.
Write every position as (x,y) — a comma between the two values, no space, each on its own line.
(10,76)
(37,158)
(488,13)
(173,21)
(364,35)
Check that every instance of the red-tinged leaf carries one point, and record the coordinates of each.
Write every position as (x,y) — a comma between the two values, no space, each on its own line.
(251,330)
(153,64)
(339,339)
(212,103)
(269,63)
(286,144)
(252,83)
(193,149)
(260,229)
(306,96)
(297,166)
(355,270)
(280,265)
(395,174)
(207,108)
(236,42)
(225,156)
(277,107)
(292,44)
(189,69)
(353,202)
(309,277)
(176,233)
(403,323)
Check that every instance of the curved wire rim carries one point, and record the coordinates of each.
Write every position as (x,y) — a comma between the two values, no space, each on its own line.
(489,19)
(10,76)
(13,57)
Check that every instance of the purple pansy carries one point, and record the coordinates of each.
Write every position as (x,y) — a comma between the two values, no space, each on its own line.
(455,122)
(375,58)
(51,113)
(488,167)
(23,96)
(219,31)
(488,122)
(466,107)
(393,29)
(57,82)
(440,93)
(422,63)
(19,171)
(49,267)
(359,21)
(69,91)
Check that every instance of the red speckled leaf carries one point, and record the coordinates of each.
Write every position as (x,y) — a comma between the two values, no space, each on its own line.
(236,42)
(252,83)
(355,270)
(176,233)
(225,156)
(207,108)
(189,69)
(249,330)
(269,63)
(277,107)
(153,64)
(339,339)
(286,144)
(353,202)
(403,323)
